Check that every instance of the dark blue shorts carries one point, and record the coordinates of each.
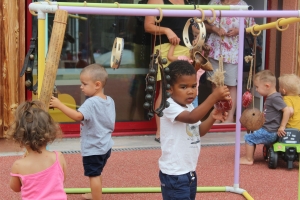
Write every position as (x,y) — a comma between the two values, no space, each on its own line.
(93,165)
(178,187)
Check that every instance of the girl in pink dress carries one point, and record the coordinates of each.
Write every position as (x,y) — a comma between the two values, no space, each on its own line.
(40,173)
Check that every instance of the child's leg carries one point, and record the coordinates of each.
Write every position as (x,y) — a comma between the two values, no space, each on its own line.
(261,136)
(249,158)
(96,187)
(157,103)
(93,167)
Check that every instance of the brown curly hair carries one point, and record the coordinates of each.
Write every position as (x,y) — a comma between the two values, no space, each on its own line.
(33,126)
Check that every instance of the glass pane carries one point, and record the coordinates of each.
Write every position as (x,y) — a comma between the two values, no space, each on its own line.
(89,39)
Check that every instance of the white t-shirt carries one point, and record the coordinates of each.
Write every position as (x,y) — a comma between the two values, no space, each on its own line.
(180,142)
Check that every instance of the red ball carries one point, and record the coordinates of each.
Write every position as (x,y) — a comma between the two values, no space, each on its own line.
(224,105)
(247,99)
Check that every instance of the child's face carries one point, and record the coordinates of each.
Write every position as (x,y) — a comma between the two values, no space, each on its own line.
(261,87)
(184,89)
(88,86)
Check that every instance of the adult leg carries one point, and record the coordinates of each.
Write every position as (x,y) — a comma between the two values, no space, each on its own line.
(233,94)
(248,159)
(157,103)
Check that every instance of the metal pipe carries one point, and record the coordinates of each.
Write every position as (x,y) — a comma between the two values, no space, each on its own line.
(271,25)
(177,13)
(149,6)
(155,12)
(41,52)
(77,17)
(138,190)
(239,103)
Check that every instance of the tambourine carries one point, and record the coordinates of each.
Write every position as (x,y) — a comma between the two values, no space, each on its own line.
(202,33)
(116,53)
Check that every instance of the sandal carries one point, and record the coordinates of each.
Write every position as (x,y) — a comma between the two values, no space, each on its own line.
(157,140)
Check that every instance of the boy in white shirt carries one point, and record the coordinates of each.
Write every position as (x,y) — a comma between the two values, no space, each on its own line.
(181,130)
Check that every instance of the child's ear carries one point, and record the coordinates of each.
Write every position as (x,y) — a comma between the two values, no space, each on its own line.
(268,85)
(170,90)
(98,84)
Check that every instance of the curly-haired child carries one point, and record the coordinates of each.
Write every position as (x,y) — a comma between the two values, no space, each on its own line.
(181,130)
(40,174)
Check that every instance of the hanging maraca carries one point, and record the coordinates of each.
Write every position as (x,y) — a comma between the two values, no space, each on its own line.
(247,96)
(252,118)
(218,79)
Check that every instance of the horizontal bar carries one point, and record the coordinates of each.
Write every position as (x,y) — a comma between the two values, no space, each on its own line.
(282,22)
(178,13)
(77,17)
(149,6)
(138,190)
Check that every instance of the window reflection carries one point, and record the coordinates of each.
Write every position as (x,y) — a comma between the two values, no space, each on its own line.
(89,39)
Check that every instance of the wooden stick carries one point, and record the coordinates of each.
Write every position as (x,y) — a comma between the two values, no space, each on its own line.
(53,56)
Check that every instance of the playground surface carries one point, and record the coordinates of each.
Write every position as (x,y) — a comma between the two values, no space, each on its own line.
(134,163)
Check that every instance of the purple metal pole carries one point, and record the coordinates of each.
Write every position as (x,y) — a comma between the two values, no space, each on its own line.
(178,13)
(239,103)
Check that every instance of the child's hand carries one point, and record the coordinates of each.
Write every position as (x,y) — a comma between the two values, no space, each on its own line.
(219,115)
(54,102)
(281,131)
(221,93)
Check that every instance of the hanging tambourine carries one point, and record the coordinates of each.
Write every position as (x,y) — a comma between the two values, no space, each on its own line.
(202,34)
(116,53)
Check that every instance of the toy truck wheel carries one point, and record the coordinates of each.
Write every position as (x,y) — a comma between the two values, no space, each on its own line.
(273,158)
(265,151)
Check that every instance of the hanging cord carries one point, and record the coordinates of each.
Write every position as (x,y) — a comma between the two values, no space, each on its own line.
(253,65)
(157,23)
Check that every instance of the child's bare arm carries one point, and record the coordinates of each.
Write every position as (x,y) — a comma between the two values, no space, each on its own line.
(15,183)
(73,114)
(171,56)
(285,118)
(205,126)
(291,111)
(220,93)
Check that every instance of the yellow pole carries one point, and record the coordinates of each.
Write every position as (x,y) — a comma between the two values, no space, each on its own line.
(282,22)
(41,52)
(247,195)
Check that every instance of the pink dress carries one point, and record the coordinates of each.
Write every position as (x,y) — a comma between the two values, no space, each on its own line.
(199,72)
(45,185)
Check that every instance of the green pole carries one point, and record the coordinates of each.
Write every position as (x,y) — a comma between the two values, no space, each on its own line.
(137,190)
(148,6)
